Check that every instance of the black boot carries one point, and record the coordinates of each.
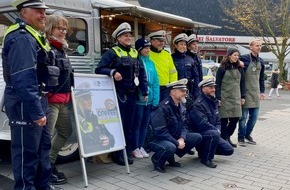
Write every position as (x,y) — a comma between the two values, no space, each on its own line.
(57,178)
(231,143)
(172,162)
(118,158)
(55,171)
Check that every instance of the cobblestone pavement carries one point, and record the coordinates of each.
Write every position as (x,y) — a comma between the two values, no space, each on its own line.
(263,166)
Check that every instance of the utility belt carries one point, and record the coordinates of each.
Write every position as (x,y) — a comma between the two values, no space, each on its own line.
(120,91)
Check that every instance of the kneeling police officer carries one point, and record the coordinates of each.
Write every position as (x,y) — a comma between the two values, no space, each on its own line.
(169,128)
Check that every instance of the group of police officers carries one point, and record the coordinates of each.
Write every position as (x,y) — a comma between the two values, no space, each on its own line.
(29,73)
(179,72)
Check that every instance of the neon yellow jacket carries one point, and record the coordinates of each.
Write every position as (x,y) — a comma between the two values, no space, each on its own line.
(164,66)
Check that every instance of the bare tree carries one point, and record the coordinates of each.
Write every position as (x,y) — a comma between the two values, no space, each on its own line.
(268,19)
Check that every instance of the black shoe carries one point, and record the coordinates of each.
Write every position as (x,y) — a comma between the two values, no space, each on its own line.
(231,143)
(55,171)
(241,141)
(250,140)
(209,163)
(55,180)
(118,158)
(191,152)
(130,159)
(52,187)
(172,162)
(158,168)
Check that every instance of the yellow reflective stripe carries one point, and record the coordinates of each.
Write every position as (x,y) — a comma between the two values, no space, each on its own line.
(172,71)
(121,53)
(10,29)
(32,31)
(38,37)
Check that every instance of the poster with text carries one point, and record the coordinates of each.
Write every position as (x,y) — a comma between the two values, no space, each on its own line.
(96,110)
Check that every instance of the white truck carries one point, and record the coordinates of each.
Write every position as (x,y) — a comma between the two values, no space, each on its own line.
(91,24)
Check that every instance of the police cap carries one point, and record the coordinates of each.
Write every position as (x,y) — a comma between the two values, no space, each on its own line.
(192,38)
(160,35)
(180,84)
(207,82)
(83,90)
(180,37)
(122,28)
(36,4)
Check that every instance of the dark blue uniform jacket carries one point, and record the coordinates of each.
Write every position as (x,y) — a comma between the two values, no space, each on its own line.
(198,63)
(111,63)
(167,122)
(22,101)
(187,68)
(203,115)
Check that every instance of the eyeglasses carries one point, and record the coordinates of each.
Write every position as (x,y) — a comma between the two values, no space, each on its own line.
(62,29)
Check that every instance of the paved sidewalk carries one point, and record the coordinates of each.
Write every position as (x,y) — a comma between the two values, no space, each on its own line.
(263,166)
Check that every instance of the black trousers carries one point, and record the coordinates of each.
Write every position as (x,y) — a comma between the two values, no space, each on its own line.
(228,126)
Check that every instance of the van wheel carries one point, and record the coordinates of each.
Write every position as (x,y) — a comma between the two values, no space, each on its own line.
(68,153)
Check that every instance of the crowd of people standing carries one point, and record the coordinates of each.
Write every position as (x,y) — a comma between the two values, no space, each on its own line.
(153,89)
(180,110)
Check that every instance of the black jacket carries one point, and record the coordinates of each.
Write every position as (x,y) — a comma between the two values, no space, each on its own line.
(203,115)
(167,122)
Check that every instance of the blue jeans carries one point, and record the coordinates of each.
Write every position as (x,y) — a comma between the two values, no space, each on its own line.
(247,121)
(141,121)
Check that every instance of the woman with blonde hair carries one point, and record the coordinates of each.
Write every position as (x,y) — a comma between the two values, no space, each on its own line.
(59,98)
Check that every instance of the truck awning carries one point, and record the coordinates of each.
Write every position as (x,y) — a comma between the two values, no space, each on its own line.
(119,7)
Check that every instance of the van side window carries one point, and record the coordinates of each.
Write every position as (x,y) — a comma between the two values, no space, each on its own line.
(77,37)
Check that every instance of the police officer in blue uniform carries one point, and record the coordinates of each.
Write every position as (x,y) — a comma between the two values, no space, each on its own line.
(185,65)
(26,64)
(169,128)
(204,119)
(129,75)
(192,46)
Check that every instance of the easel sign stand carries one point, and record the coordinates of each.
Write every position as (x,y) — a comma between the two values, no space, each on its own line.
(97,116)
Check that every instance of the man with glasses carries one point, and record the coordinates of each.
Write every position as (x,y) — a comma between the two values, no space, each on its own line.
(162,60)
(169,128)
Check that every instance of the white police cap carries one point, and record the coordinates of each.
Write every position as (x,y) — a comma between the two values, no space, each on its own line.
(207,82)
(83,90)
(122,28)
(180,84)
(192,38)
(37,4)
(180,37)
(160,35)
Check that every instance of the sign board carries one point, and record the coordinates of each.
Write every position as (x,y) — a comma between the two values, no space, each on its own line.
(4,122)
(97,115)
